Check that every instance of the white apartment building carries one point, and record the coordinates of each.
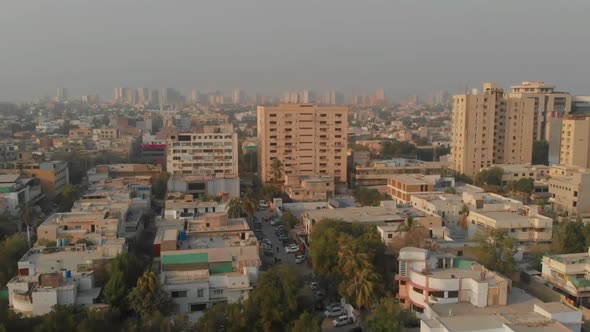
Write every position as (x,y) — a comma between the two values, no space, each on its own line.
(61,275)
(209,154)
(181,206)
(211,260)
(427,278)
(525,224)
(570,275)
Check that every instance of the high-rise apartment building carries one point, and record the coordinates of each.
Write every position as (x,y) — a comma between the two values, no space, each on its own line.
(143,95)
(120,95)
(575,141)
(237,96)
(308,140)
(493,127)
(171,96)
(62,95)
(212,153)
(132,97)
(547,101)
(195,96)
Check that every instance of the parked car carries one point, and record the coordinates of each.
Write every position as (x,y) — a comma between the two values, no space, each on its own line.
(299,259)
(291,248)
(319,294)
(341,321)
(333,306)
(319,306)
(334,312)
(266,246)
(275,221)
(263,204)
(313,285)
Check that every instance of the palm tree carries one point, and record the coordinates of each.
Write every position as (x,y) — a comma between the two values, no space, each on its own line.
(365,288)
(277,169)
(26,217)
(350,259)
(464,213)
(234,207)
(407,226)
(249,204)
(148,282)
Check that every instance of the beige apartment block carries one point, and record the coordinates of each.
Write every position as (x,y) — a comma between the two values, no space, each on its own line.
(105,133)
(570,190)
(315,188)
(575,141)
(547,101)
(309,140)
(525,225)
(208,154)
(491,127)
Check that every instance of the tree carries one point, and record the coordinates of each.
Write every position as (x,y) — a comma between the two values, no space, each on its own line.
(490,177)
(414,234)
(147,297)
(160,185)
(306,323)
(225,317)
(289,219)
(234,207)
(12,250)
(389,316)
(570,237)
(68,197)
(249,204)
(270,191)
(368,197)
(364,289)
(523,187)
(115,291)
(496,250)
(277,169)
(275,302)
(540,153)
(464,213)
(26,215)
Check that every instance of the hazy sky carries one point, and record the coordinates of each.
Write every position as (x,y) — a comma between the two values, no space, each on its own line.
(407,47)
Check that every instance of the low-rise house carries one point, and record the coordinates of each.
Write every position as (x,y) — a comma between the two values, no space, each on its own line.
(379,171)
(180,206)
(212,259)
(402,187)
(570,191)
(308,189)
(17,190)
(569,274)
(59,275)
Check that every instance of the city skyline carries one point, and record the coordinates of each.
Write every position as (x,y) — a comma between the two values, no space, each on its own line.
(449,48)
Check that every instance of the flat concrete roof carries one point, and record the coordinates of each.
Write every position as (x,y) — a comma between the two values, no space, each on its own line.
(357,214)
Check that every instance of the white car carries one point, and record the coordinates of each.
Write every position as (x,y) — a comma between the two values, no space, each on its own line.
(334,312)
(333,306)
(291,248)
(267,241)
(313,285)
(275,222)
(299,259)
(263,204)
(341,321)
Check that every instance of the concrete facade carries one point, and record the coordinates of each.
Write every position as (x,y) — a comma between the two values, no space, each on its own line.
(308,140)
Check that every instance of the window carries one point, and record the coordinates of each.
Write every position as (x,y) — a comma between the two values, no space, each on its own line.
(390,236)
(198,307)
(440,294)
(418,290)
(453,294)
(200,292)
(218,292)
(177,294)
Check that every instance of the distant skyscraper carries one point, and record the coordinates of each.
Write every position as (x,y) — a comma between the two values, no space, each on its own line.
(154,97)
(575,141)
(307,97)
(120,95)
(333,97)
(237,96)
(380,95)
(61,95)
(143,95)
(195,96)
(131,98)
(171,97)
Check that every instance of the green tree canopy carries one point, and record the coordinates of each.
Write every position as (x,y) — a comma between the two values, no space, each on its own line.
(491,177)
(160,185)
(369,197)
(306,323)
(147,297)
(389,316)
(12,250)
(540,153)
(68,197)
(496,250)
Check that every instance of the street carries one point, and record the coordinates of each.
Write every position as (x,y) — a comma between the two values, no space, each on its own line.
(304,268)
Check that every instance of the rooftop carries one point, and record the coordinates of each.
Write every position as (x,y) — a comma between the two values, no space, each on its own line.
(358,214)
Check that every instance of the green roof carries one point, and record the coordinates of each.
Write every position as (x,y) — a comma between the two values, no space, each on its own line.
(223,267)
(461,263)
(185,258)
(4,294)
(580,283)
